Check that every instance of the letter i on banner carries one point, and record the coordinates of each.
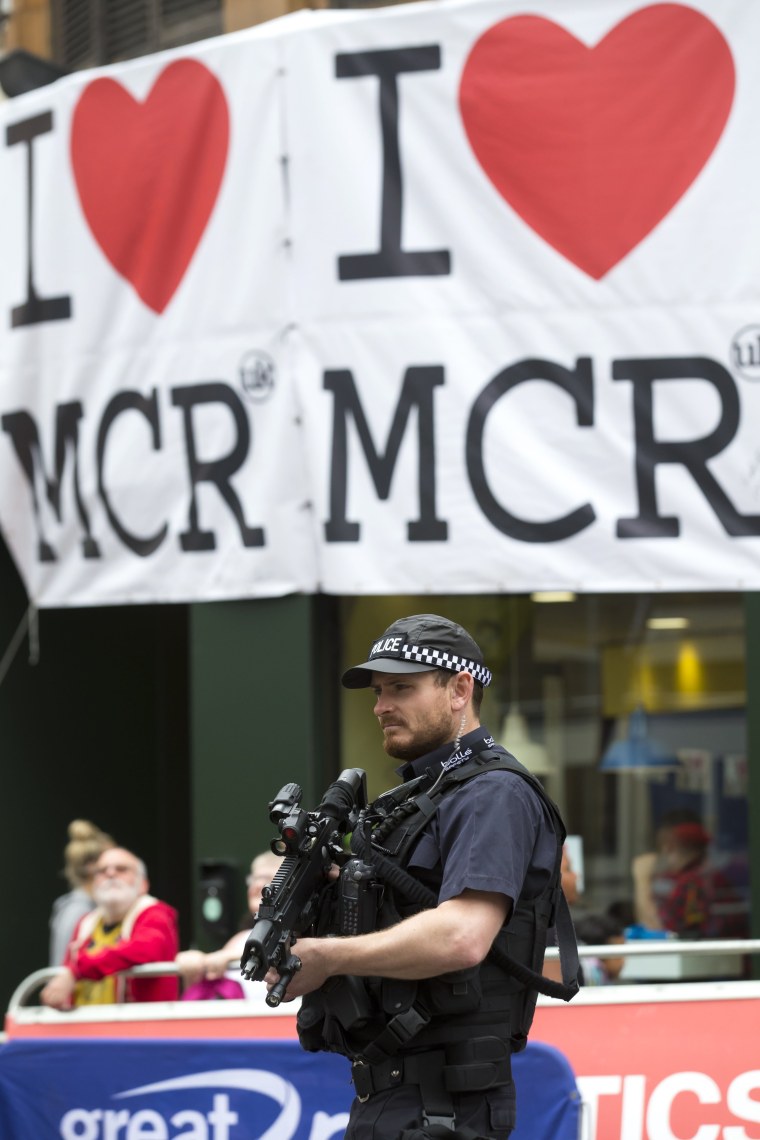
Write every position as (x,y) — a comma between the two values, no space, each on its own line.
(34,309)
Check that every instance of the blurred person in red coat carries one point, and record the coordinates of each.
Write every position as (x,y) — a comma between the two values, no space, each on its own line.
(679,889)
(128,927)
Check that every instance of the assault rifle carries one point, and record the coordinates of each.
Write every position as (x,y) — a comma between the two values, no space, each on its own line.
(310,841)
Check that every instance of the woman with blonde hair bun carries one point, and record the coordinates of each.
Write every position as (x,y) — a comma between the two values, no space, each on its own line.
(81,853)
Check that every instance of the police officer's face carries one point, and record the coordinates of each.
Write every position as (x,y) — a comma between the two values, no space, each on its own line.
(415,713)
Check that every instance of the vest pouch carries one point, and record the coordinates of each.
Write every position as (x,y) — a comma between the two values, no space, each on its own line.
(346,999)
(397,995)
(478,1064)
(333,1017)
(457,992)
(310,1021)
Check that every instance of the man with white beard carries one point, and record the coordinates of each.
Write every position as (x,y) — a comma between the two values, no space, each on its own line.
(127,928)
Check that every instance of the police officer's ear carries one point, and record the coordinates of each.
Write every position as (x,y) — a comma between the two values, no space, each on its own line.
(461,691)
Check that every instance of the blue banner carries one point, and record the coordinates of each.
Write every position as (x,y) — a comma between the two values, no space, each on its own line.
(110,1089)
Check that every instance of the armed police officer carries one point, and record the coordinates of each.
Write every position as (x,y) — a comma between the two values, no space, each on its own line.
(460,868)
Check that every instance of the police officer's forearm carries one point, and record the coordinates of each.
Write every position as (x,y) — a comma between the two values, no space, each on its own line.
(455,935)
(420,947)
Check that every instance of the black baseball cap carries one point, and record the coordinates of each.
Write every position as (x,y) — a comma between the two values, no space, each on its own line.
(418,644)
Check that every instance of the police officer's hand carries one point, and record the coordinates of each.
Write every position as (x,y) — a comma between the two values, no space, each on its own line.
(313,971)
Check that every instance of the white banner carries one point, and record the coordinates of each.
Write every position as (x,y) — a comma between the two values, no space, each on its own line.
(459,297)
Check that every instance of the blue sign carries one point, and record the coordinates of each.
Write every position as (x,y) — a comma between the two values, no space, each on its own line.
(170,1090)
(117,1089)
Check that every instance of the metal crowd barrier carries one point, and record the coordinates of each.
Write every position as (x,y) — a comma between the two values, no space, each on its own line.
(641,947)
(37,980)
(633,949)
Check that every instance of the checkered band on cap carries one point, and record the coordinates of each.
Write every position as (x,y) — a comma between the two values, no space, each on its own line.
(439,659)
(417,643)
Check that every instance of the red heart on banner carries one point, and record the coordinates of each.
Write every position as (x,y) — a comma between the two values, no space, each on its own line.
(594,146)
(148,174)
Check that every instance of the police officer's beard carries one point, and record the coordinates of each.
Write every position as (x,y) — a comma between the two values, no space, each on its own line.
(423,743)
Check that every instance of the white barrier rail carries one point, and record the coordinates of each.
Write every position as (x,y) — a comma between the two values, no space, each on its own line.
(36,980)
(635,949)
(640,948)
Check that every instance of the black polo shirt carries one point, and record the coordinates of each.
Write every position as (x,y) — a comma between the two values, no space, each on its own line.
(491,833)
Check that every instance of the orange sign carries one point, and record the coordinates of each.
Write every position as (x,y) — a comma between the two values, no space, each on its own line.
(672,1062)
